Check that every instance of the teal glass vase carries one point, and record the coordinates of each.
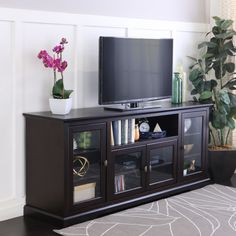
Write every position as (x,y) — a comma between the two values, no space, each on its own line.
(177,88)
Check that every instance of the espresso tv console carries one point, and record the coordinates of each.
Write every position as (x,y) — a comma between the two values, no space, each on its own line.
(74,173)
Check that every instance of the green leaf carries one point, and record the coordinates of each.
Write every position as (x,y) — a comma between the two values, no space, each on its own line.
(216,18)
(232,98)
(215,30)
(192,58)
(231,123)
(229,45)
(230,67)
(231,83)
(222,109)
(194,92)
(57,89)
(207,44)
(213,84)
(225,35)
(192,66)
(219,120)
(219,70)
(224,97)
(226,24)
(195,74)
(208,55)
(230,53)
(233,112)
(67,93)
(205,95)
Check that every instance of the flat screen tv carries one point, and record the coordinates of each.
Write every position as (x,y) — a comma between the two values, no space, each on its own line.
(133,70)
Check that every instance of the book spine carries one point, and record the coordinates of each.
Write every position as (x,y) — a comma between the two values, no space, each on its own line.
(117,131)
(124,131)
(131,130)
(119,183)
(116,184)
(112,135)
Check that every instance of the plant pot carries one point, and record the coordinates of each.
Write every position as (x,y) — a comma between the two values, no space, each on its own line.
(222,164)
(60,106)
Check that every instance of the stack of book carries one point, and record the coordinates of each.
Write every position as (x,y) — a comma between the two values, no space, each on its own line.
(122,131)
(119,183)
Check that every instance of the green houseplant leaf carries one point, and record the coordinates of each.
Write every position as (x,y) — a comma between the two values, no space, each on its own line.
(59,91)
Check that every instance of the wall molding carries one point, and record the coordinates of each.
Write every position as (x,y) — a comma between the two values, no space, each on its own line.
(11,208)
(43,17)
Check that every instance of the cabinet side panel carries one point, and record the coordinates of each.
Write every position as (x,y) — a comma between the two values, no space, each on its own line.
(45,165)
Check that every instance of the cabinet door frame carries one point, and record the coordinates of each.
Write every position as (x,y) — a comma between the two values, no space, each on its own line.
(111,173)
(204,142)
(161,144)
(91,203)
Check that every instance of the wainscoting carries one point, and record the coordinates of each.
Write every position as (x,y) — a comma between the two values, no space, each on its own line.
(25,83)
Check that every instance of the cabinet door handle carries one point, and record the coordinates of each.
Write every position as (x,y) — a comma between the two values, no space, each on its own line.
(150,168)
(145,169)
(105,163)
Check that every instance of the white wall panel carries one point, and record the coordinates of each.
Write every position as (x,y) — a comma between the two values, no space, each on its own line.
(185,44)
(146,33)
(7,112)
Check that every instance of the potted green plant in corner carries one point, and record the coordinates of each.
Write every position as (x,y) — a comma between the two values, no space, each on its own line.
(212,77)
(61,102)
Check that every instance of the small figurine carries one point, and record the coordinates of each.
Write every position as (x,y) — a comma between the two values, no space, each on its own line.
(192,166)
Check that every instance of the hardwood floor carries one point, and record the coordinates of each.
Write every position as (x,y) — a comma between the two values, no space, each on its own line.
(26,226)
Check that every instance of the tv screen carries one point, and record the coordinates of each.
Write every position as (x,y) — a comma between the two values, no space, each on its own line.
(134,70)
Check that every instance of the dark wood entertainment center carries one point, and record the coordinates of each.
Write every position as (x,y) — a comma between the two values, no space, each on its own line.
(73,173)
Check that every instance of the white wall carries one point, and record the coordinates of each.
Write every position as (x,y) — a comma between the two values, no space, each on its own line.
(174,10)
(25,83)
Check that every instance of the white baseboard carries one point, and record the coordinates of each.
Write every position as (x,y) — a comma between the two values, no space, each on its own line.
(11,208)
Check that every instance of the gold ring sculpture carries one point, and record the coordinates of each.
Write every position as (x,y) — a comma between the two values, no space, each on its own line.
(84,166)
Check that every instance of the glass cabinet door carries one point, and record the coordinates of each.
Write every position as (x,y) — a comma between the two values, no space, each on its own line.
(193,139)
(88,155)
(162,163)
(128,168)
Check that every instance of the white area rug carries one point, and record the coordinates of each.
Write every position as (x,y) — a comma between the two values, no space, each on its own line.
(209,211)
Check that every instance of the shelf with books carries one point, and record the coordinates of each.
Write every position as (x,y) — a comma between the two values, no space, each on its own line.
(119,183)
(122,131)
(124,183)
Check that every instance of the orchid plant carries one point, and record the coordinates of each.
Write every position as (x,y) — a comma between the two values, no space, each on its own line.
(58,65)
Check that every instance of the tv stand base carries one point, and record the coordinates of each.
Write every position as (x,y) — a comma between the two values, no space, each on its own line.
(132,106)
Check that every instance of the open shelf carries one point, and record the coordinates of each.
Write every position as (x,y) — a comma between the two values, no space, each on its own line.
(121,130)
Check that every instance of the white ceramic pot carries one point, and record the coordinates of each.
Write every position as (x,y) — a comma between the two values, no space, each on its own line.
(60,106)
